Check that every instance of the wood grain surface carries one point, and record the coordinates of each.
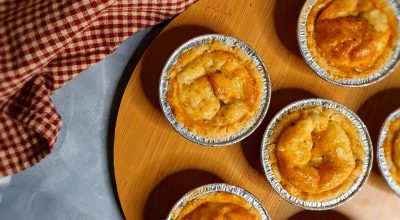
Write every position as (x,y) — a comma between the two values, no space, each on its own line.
(154,165)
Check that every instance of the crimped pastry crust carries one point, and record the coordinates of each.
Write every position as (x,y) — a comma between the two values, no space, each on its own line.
(391,148)
(352,38)
(316,153)
(218,205)
(214,89)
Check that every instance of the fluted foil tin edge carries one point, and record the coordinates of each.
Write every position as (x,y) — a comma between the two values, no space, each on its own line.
(218,187)
(381,153)
(357,82)
(339,200)
(257,118)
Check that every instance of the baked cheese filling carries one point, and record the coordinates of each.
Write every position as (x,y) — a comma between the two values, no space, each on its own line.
(316,153)
(221,206)
(352,38)
(214,89)
(392,149)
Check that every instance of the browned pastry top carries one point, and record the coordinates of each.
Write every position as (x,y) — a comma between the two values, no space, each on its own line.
(392,149)
(352,38)
(214,89)
(218,206)
(316,153)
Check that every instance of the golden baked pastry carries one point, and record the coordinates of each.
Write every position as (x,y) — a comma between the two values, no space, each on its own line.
(391,148)
(218,206)
(316,153)
(352,38)
(214,89)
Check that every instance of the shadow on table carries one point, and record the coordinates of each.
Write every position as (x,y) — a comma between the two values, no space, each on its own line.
(286,14)
(117,100)
(317,215)
(374,111)
(251,146)
(172,188)
(157,55)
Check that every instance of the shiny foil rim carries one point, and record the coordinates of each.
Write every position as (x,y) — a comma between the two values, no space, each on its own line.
(381,153)
(218,187)
(358,82)
(359,182)
(257,118)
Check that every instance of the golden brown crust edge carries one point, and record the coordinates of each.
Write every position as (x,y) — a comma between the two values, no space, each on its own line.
(316,194)
(227,94)
(218,204)
(364,61)
(391,149)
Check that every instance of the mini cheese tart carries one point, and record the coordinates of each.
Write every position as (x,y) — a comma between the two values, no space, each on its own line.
(316,152)
(392,149)
(218,201)
(389,151)
(215,89)
(352,39)
(218,205)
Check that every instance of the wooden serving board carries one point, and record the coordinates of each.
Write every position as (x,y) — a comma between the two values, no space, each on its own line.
(155,166)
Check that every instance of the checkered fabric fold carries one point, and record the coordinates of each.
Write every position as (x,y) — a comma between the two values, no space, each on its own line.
(44,44)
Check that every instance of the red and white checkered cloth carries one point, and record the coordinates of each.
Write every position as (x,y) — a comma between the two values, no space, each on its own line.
(44,44)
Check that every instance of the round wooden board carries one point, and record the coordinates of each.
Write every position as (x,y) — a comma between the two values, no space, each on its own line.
(155,166)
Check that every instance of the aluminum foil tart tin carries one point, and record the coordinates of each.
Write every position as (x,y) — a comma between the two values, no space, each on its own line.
(265,97)
(218,187)
(381,154)
(357,82)
(326,204)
